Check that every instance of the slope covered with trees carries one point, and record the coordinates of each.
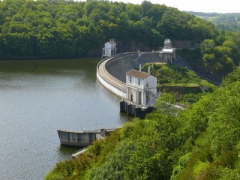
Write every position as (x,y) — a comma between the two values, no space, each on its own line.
(201,142)
(216,57)
(61,28)
(223,21)
(220,55)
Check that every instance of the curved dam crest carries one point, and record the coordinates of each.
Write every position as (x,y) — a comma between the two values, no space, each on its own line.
(111,71)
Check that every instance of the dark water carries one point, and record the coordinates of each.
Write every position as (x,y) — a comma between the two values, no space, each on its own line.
(39,97)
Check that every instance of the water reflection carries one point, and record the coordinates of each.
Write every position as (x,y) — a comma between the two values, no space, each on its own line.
(65,151)
(39,97)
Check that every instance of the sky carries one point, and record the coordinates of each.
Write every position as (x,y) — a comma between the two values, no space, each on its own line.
(220,6)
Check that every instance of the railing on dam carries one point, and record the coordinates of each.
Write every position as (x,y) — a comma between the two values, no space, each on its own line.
(117,86)
(110,82)
(111,71)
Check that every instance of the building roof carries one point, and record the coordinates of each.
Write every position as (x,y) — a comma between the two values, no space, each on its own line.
(138,74)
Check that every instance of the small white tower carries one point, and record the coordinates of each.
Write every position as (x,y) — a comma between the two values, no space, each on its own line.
(109,49)
(167,44)
(167,54)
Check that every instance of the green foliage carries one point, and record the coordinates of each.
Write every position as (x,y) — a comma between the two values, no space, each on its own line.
(181,82)
(62,170)
(207,46)
(61,28)
(223,21)
(201,142)
(215,142)
(219,59)
(181,164)
(193,56)
(95,155)
(114,165)
(51,176)
(200,169)
(170,74)
(165,103)
(216,57)
(142,152)
(232,77)
(191,98)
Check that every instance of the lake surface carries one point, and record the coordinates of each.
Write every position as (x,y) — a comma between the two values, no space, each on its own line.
(39,97)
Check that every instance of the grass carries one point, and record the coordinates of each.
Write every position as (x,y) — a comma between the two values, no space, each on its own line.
(172,75)
(183,83)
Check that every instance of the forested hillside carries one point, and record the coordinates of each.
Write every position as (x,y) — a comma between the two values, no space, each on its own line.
(223,21)
(215,57)
(201,142)
(61,28)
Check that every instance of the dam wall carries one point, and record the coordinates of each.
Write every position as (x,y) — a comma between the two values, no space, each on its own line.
(117,91)
(111,71)
(111,83)
(118,66)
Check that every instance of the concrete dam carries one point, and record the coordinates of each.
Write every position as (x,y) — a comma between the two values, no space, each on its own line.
(111,73)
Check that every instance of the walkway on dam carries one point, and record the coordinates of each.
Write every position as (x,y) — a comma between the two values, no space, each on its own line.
(113,69)
(107,77)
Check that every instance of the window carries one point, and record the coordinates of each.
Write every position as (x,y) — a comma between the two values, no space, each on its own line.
(147,97)
(130,79)
(139,80)
(139,97)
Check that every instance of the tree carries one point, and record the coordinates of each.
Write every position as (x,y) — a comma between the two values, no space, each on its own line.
(207,47)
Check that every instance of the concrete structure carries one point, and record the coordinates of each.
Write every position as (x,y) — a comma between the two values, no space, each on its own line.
(79,153)
(77,138)
(81,138)
(167,53)
(141,88)
(109,49)
(122,63)
(111,73)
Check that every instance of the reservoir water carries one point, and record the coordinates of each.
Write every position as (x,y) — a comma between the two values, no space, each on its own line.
(39,97)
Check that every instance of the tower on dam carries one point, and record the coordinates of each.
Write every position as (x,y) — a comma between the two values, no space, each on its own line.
(120,75)
(167,54)
(109,49)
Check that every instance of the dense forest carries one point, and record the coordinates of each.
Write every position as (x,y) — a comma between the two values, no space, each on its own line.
(223,21)
(201,142)
(61,28)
